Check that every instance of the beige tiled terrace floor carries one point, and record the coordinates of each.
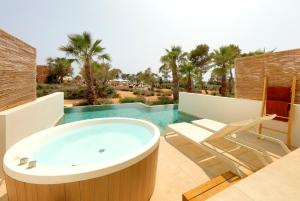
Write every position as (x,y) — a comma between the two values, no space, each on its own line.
(183,166)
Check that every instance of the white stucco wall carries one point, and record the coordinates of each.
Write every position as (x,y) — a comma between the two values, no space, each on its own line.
(24,120)
(228,110)
(31,117)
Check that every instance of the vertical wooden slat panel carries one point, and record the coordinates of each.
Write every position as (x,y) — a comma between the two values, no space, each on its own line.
(43,192)
(148,175)
(57,192)
(72,191)
(87,190)
(124,186)
(31,192)
(11,189)
(21,192)
(133,182)
(142,183)
(101,188)
(154,169)
(114,187)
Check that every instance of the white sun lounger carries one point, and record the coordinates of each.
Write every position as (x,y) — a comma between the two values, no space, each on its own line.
(215,126)
(209,124)
(201,137)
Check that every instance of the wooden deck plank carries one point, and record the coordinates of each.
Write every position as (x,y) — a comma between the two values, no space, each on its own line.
(211,187)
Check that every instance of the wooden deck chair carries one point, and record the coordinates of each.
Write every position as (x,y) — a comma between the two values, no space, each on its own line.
(288,101)
(201,137)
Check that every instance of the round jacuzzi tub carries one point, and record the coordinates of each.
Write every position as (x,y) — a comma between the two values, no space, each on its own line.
(90,159)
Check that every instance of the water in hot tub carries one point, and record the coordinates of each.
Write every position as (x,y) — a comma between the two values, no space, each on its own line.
(99,143)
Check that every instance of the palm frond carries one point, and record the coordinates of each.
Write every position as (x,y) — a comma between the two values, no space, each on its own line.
(106,57)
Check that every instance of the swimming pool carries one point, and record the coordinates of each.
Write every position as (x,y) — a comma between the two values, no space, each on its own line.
(161,115)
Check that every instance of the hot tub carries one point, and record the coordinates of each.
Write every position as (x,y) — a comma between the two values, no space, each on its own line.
(98,159)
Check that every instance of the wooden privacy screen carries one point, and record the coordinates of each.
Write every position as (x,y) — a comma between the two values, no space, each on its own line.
(279,67)
(17,71)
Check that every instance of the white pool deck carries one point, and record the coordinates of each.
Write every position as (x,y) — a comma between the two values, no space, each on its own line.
(183,166)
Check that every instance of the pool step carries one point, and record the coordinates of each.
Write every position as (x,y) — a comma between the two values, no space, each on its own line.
(210,188)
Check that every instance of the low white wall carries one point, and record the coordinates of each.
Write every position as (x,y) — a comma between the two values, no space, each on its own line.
(228,110)
(24,120)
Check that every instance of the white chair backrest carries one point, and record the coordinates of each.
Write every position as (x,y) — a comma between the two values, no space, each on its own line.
(239,126)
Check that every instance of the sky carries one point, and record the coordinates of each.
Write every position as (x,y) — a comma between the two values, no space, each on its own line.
(136,32)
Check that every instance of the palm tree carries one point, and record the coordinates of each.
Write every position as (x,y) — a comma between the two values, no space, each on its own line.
(104,57)
(164,70)
(188,68)
(224,60)
(235,53)
(200,57)
(172,59)
(83,49)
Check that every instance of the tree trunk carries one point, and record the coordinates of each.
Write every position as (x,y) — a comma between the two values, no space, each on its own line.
(98,89)
(91,95)
(61,79)
(231,82)
(189,83)
(175,83)
(201,79)
(224,84)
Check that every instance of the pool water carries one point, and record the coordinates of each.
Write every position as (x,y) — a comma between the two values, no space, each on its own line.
(161,115)
(98,143)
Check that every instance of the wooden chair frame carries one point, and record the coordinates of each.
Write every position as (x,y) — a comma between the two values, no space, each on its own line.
(290,118)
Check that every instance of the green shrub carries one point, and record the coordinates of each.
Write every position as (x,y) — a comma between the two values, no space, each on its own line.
(166,85)
(98,102)
(149,93)
(132,99)
(135,91)
(104,102)
(81,103)
(141,92)
(108,92)
(39,87)
(123,88)
(116,95)
(71,91)
(42,92)
(74,93)
(162,100)
(167,93)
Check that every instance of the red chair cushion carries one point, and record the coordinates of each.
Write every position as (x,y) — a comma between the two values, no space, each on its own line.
(279,94)
(280,108)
